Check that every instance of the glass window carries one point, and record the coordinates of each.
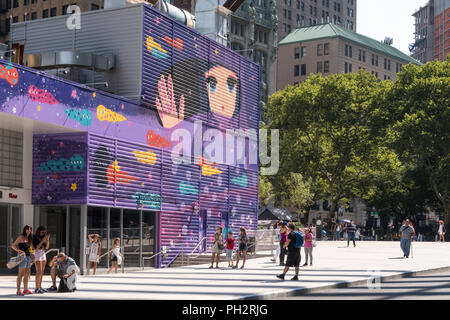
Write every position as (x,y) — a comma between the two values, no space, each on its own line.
(326,67)
(297,53)
(97,219)
(148,236)
(326,49)
(303,52)
(303,70)
(131,237)
(320,49)
(11,158)
(296,71)
(319,67)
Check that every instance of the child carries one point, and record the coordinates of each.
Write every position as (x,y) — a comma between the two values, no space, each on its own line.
(230,247)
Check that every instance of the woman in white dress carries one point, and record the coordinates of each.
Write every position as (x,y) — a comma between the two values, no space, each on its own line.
(116,256)
(94,251)
(441,231)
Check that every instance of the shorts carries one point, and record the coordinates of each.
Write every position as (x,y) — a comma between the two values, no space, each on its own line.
(229,254)
(293,259)
(26,263)
(215,249)
(39,255)
(242,247)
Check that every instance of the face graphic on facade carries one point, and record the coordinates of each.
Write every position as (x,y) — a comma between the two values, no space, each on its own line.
(222,87)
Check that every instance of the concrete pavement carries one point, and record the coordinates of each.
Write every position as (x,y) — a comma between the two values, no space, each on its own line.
(334,265)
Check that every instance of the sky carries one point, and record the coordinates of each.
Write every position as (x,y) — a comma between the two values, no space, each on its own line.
(378,19)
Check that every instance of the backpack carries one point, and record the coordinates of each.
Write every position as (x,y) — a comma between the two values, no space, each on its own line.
(299,239)
(63,286)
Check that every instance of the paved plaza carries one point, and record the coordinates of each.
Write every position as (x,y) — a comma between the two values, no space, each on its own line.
(334,265)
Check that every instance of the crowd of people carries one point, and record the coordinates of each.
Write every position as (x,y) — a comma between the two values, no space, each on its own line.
(31,249)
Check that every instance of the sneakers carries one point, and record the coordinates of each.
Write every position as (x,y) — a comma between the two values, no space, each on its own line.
(39,290)
(27,292)
(294,278)
(20,293)
(280,276)
(305,265)
(235,267)
(52,288)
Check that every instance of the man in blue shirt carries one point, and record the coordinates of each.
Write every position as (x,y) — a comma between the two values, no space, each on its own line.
(351,230)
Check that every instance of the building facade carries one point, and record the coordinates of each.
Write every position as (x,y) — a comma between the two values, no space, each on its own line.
(423,47)
(298,13)
(432,31)
(152,170)
(441,29)
(13,11)
(330,49)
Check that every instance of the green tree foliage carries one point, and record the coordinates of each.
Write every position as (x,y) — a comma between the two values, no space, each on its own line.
(325,133)
(417,115)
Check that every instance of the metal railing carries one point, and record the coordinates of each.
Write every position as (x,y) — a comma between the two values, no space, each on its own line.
(196,247)
(164,251)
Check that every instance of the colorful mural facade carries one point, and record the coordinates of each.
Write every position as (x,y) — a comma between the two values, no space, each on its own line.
(121,155)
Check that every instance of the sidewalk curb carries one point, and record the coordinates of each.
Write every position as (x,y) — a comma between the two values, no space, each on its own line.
(339,285)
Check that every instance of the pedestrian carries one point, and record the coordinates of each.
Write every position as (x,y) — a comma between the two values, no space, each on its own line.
(243,246)
(66,269)
(309,237)
(22,245)
(41,243)
(441,231)
(283,238)
(390,229)
(338,231)
(229,248)
(217,248)
(293,259)
(333,229)
(351,230)
(95,249)
(407,233)
(278,238)
(115,256)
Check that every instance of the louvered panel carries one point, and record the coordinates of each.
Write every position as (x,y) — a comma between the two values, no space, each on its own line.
(59,168)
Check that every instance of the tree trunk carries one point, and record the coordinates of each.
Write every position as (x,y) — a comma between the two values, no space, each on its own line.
(307,215)
(332,209)
(447,218)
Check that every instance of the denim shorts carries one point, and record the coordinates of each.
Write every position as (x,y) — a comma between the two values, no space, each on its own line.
(26,263)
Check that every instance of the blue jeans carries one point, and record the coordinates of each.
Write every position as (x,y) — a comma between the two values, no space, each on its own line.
(405,244)
(338,235)
(351,236)
(26,263)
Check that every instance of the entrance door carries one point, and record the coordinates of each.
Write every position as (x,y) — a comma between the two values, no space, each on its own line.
(54,218)
(9,231)
(202,227)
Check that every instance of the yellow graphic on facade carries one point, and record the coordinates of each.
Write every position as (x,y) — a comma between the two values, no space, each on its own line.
(147,157)
(104,114)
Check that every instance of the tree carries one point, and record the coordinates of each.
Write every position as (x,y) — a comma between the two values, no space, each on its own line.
(326,133)
(265,192)
(298,193)
(418,117)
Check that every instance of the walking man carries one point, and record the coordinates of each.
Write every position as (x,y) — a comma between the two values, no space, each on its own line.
(293,256)
(351,230)
(407,233)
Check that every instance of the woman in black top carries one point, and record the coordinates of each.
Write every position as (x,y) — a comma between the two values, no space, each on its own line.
(22,246)
(41,242)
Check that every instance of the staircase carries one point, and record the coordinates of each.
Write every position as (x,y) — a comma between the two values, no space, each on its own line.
(205,258)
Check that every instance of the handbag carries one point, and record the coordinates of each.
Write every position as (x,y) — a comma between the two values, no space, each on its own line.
(313,243)
(14,261)
(220,246)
